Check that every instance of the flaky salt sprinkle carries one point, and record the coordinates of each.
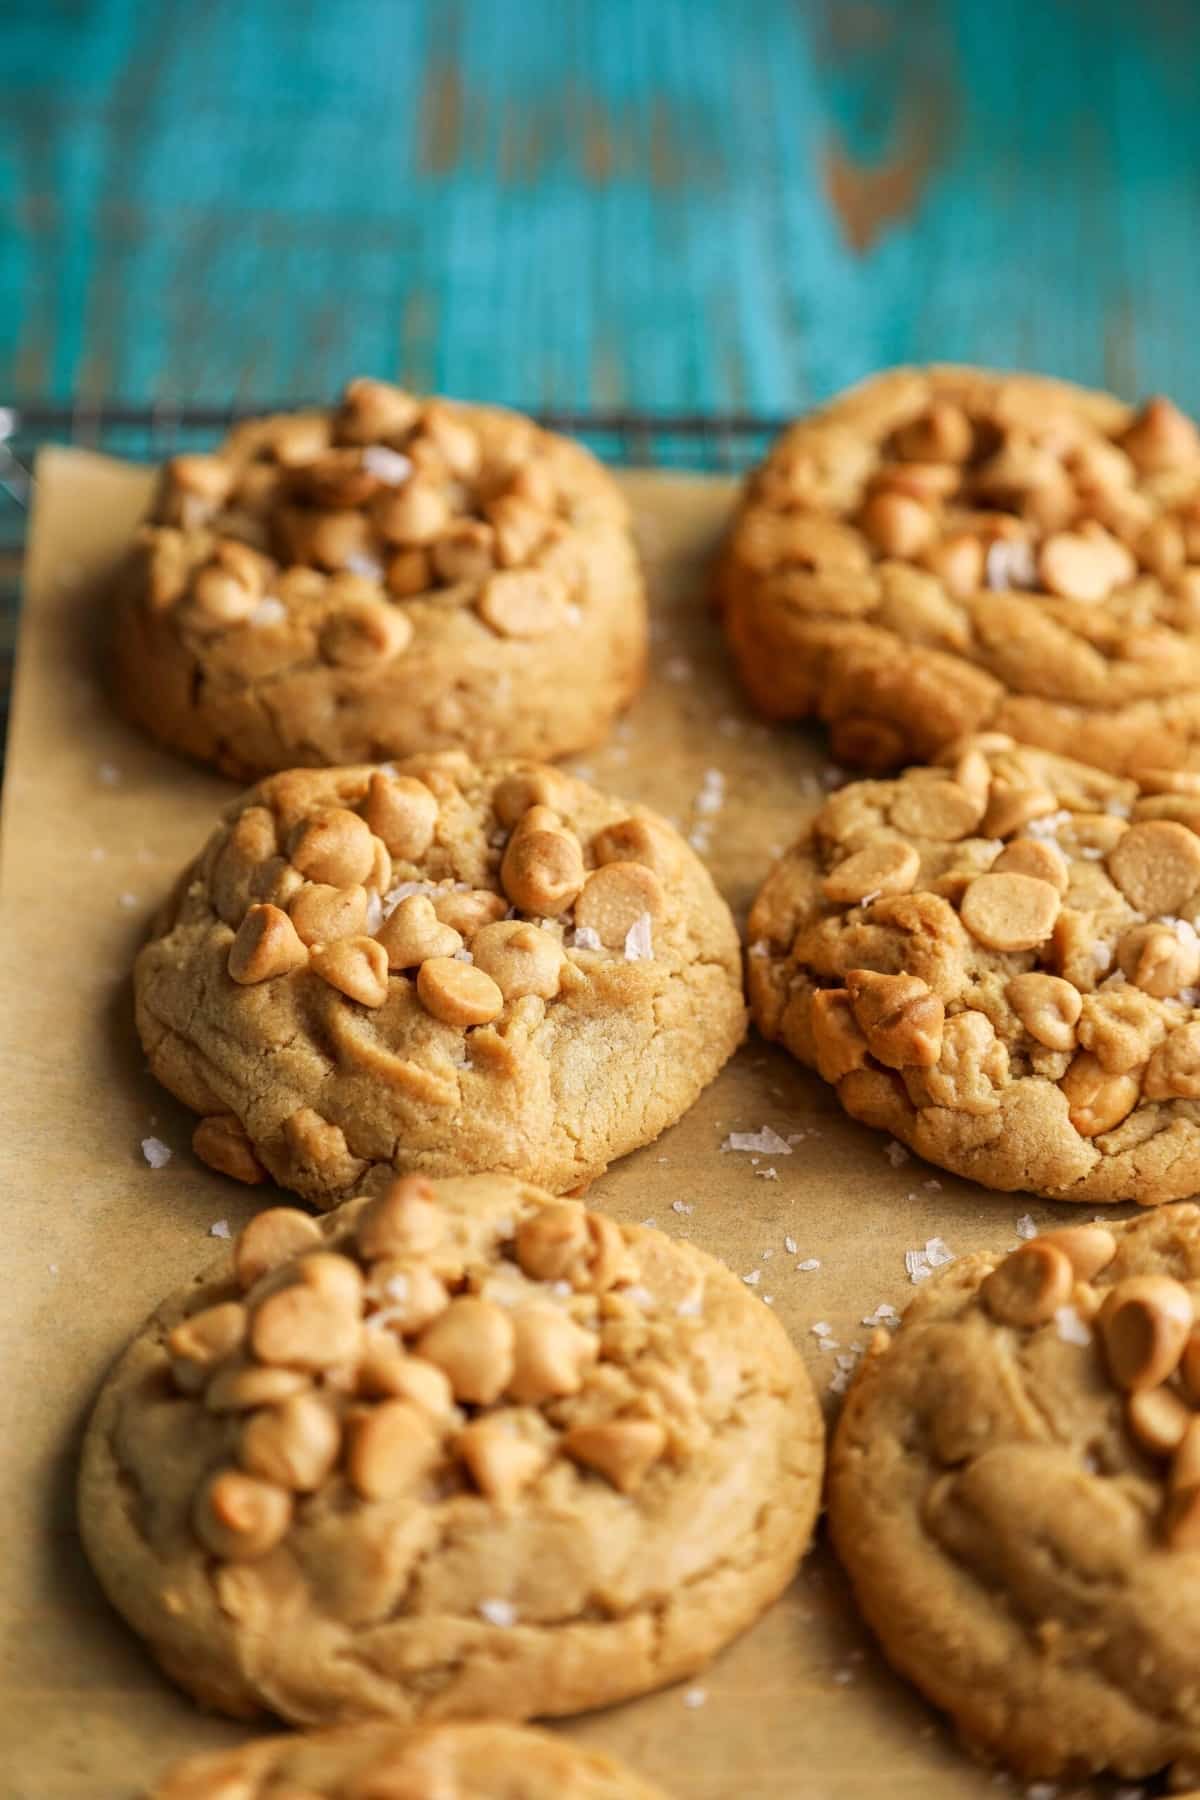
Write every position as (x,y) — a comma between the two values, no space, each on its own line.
(768,1174)
(809,1263)
(586,939)
(760,947)
(681,1206)
(895,1153)
(374,912)
(764,1142)
(498,1612)
(109,774)
(1009,564)
(695,1697)
(156,1153)
(361,564)
(1026,1227)
(639,941)
(920,1264)
(219,1229)
(689,1308)
(1070,1327)
(1048,826)
(822,1329)
(884,1314)
(753,1278)
(711,797)
(269,611)
(387,465)
(677,668)
(1101,957)
(790,1245)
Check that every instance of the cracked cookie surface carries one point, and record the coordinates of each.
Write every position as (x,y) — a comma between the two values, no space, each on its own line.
(392,575)
(475,1761)
(944,550)
(441,967)
(1015,1492)
(997,960)
(455,1450)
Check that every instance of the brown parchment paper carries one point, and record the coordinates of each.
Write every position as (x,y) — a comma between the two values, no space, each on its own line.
(97,822)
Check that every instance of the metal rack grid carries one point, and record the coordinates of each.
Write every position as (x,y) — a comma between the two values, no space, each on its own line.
(689,441)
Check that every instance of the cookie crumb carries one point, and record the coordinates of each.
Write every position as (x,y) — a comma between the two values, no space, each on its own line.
(156,1153)
(498,1612)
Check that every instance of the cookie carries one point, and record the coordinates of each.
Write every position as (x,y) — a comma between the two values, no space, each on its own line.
(458,1450)
(946,550)
(390,576)
(1015,1492)
(437,967)
(392,1762)
(996,960)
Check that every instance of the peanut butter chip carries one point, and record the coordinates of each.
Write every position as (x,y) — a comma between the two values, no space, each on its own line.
(364,633)
(1082,568)
(392,1448)
(1096,1100)
(935,809)
(356,967)
(335,847)
(1010,807)
(615,897)
(221,1141)
(457,993)
(266,945)
(1173,1072)
(520,958)
(322,913)
(1157,1419)
(467,912)
(1047,1006)
(1032,856)
(402,1221)
(501,1462)
(402,811)
(1146,1321)
(241,1388)
(636,840)
(271,1238)
(882,868)
(472,1343)
(1156,865)
(550,1354)
(1158,960)
(522,603)
(413,933)
(239,1517)
(1029,1286)
(553,1243)
(901,1019)
(294,1444)
(837,1037)
(542,870)
(1010,912)
(623,1451)
(303,1327)
(1088,1248)
(204,1339)
(514,795)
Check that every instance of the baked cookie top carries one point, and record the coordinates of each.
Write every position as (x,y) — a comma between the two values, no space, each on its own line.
(942,550)
(389,575)
(393,1762)
(1015,1491)
(997,960)
(455,1450)
(437,966)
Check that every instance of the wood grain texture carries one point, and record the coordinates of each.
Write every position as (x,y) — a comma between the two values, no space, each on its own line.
(684,204)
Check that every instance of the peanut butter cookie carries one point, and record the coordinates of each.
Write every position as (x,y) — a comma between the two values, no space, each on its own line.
(997,961)
(390,576)
(1015,1492)
(438,967)
(945,550)
(394,1762)
(458,1450)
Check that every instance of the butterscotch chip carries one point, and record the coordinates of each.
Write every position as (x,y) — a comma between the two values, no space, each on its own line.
(441,921)
(287,600)
(1015,1015)
(308,1500)
(389,1762)
(1032,587)
(204,1339)
(267,944)
(1146,1321)
(1029,1286)
(985,1475)
(1010,911)
(356,967)
(935,809)
(1156,865)
(887,868)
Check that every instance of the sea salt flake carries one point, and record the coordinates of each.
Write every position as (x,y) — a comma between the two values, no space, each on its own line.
(681,1206)
(753,1278)
(937,1252)
(156,1153)
(821,1329)
(109,774)
(220,1229)
(1070,1327)
(586,939)
(810,1262)
(640,1296)
(1009,564)
(677,668)
(498,1612)
(129,901)
(463,955)
(639,943)
(1101,957)
(1048,826)
(895,1153)
(361,564)
(790,1245)
(884,1314)
(765,1142)
(387,465)
(711,797)
(689,1308)
(269,611)
(1026,1227)
(760,947)
(1117,809)
(374,912)
(695,1697)
(768,1174)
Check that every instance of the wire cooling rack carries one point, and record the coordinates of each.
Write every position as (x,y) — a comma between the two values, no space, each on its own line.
(700,442)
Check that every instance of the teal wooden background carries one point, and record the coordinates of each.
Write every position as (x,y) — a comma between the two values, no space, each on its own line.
(675,204)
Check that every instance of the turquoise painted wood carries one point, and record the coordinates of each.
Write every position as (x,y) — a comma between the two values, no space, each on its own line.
(668,204)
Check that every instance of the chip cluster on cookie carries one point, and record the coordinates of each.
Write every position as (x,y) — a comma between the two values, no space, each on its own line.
(1017,1472)
(437,965)
(391,575)
(385,1461)
(945,550)
(996,959)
